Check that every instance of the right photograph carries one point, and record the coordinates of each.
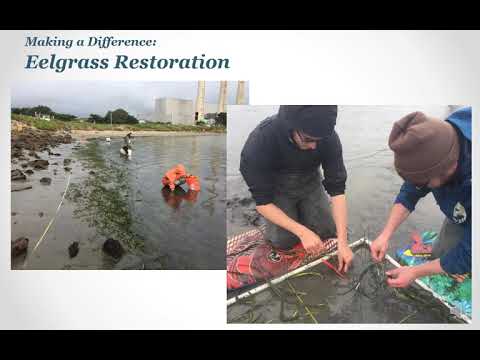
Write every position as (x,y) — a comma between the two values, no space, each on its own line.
(349,214)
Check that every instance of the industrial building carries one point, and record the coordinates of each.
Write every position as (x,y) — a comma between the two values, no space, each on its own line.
(186,112)
(178,111)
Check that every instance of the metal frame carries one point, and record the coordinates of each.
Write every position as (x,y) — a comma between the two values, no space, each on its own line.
(454,311)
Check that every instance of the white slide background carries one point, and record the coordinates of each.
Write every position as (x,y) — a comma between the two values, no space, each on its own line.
(282,67)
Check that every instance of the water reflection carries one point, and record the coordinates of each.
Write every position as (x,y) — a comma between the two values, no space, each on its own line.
(184,228)
(175,198)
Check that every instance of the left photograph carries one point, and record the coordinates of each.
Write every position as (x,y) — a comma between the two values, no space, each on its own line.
(120,175)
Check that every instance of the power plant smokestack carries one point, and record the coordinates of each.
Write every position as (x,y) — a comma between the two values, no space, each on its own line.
(240,93)
(222,97)
(200,104)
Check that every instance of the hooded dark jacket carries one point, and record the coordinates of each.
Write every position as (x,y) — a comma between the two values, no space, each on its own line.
(269,151)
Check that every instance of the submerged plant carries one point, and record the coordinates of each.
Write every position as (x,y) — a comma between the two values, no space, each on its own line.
(101,198)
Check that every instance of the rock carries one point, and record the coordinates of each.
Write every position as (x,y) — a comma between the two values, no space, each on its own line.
(55,163)
(66,162)
(19,246)
(34,154)
(92,172)
(40,214)
(56,154)
(17,175)
(17,153)
(21,187)
(24,165)
(67,168)
(14,213)
(113,248)
(54,171)
(46,181)
(29,171)
(73,249)
(39,164)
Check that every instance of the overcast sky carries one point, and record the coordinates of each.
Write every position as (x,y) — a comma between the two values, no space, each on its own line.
(82,98)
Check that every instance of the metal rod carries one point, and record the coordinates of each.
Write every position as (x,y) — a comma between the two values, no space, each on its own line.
(453,310)
(279,279)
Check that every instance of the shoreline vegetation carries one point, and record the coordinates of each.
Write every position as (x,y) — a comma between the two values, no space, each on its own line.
(87,129)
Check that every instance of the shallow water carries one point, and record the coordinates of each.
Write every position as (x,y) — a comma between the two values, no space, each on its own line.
(113,197)
(371,189)
(318,295)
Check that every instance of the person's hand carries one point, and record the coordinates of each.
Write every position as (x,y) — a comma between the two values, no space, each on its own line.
(378,248)
(401,277)
(459,278)
(345,257)
(311,242)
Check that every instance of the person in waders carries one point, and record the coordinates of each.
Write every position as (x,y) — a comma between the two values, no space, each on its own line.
(433,156)
(280,163)
(126,149)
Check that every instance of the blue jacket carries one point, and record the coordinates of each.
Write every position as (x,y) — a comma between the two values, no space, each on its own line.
(455,198)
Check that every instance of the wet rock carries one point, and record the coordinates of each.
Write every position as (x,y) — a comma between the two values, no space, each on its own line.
(53,154)
(92,172)
(66,161)
(37,140)
(14,161)
(39,164)
(67,168)
(73,249)
(46,181)
(113,248)
(18,175)
(29,171)
(41,214)
(55,163)
(19,246)
(54,171)
(21,187)
(34,154)
(24,165)
(16,153)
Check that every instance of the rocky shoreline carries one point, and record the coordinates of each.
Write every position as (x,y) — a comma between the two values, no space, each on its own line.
(26,145)
(29,147)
